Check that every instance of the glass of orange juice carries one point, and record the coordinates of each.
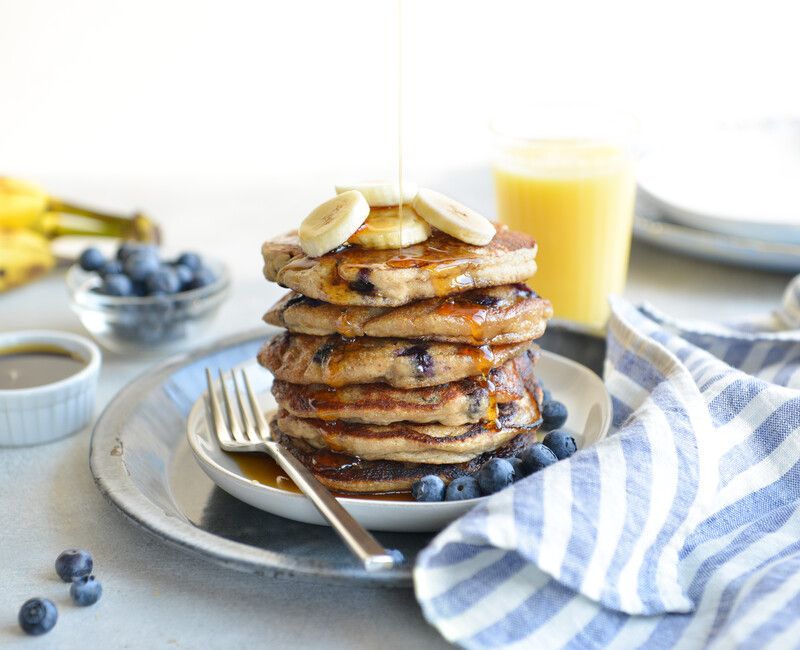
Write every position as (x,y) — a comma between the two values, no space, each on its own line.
(565,176)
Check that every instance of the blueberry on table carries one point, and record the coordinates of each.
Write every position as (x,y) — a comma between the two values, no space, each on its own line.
(162,281)
(140,264)
(37,616)
(190,260)
(117,284)
(516,463)
(495,475)
(74,563)
(86,591)
(91,260)
(537,457)
(554,414)
(202,278)
(428,488)
(560,443)
(184,273)
(464,487)
(112,267)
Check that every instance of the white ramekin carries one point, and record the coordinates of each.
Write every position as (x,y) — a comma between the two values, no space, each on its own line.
(31,416)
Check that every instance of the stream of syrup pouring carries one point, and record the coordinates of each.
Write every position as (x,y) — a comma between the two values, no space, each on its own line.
(264,469)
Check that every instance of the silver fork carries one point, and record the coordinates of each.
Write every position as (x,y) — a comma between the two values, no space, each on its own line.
(253,435)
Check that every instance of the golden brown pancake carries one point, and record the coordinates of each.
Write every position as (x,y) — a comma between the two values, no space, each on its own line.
(511,313)
(344,473)
(416,443)
(461,402)
(440,266)
(337,361)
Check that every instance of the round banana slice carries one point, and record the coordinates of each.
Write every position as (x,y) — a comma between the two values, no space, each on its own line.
(331,224)
(385,228)
(382,194)
(453,218)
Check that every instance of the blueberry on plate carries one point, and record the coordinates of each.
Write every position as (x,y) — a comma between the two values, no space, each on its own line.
(117,284)
(85,591)
(37,616)
(184,273)
(91,260)
(202,278)
(516,463)
(74,563)
(190,260)
(397,556)
(537,457)
(547,395)
(495,475)
(428,488)
(464,487)
(554,414)
(163,281)
(139,264)
(112,267)
(560,443)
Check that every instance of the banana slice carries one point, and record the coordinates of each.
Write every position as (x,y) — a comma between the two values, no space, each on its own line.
(385,228)
(382,194)
(453,218)
(330,225)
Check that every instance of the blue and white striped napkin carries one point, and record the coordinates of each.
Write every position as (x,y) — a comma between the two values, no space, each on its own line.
(681,529)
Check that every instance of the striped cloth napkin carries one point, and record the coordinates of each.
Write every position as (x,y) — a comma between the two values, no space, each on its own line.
(681,529)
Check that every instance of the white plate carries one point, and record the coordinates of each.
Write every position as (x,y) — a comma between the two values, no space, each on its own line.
(571,383)
(739,180)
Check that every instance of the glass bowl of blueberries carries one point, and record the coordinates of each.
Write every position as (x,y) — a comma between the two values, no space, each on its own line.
(138,301)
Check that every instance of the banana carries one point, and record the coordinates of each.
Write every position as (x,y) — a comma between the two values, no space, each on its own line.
(385,228)
(24,256)
(382,194)
(331,224)
(453,218)
(21,203)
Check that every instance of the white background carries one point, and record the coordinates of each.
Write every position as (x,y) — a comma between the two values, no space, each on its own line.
(266,90)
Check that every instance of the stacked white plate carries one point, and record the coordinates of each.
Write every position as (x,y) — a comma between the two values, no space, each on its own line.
(730,194)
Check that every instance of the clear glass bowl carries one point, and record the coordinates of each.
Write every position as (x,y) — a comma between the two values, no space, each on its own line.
(133,325)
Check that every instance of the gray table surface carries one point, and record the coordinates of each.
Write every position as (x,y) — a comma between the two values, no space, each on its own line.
(156,596)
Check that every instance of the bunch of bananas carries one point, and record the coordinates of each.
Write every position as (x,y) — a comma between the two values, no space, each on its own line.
(30,218)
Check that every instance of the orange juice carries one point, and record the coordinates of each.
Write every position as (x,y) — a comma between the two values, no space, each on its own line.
(576,199)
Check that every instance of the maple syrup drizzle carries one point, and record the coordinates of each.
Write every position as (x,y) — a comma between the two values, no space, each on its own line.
(266,471)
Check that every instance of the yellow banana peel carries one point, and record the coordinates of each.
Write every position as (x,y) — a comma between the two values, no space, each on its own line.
(24,256)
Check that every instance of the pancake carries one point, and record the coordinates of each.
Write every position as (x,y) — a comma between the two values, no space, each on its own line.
(461,402)
(402,363)
(416,443)
(510,313)
(440,266)
(344,473)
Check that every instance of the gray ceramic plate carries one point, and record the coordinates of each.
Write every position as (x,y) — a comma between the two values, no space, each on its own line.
(142,463)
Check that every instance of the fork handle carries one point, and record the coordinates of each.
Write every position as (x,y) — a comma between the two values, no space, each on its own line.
(360,541)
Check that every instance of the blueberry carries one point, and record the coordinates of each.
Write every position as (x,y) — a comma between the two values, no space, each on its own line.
(112,267)
(190,260)
(516,463)
(495,475)
(554,414)
(117,284)
(74,563)
(537,457)
(464,487)
(428,488)
(397,556)
(202,278)
(37,616)
(547,395)
(85,591)
(162,281)
(561,444)
(184,273)
(127,248)
(91,260)
(140,264)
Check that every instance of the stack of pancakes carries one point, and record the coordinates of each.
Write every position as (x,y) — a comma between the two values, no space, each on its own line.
(407,362)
